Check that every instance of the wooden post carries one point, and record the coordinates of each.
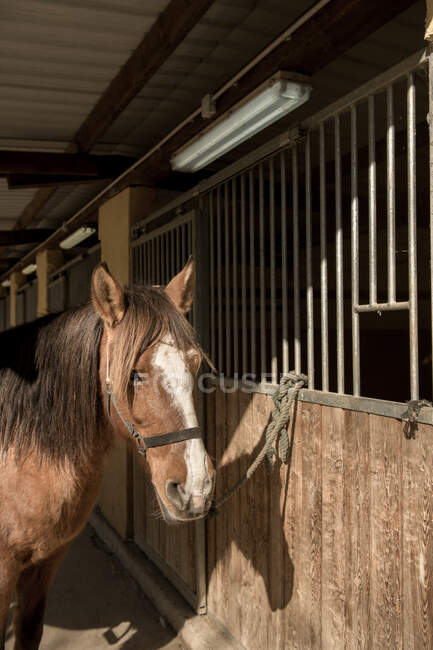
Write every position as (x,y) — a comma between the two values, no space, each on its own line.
(428,36)
(116,217)
(46,262)
(17,280)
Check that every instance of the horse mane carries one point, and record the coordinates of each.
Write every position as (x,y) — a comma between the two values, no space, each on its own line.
(50,392)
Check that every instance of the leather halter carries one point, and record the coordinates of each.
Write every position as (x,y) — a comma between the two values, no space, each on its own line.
(144,443)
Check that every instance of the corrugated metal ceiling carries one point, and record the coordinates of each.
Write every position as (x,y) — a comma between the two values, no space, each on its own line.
(57,57)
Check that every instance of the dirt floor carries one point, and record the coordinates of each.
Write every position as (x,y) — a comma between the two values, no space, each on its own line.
(94,605)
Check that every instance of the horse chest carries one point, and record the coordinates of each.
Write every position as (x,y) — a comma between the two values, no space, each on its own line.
(46,507)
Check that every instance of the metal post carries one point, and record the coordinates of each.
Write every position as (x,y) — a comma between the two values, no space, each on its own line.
(323,264)
(355,251)
(296,296)
(285,324)
(390,182)
(372,243)
(252,273)
(212,275)
(309,266)
(274,361)
(413,292)
(235,281)
(243,279)
(227,279)
(339,279)
(262,272)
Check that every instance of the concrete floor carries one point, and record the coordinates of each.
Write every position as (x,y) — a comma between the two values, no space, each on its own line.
(95,605)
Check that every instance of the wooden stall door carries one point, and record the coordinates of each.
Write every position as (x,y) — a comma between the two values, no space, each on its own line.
(334,550)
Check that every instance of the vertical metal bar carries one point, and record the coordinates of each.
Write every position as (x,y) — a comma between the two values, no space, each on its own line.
(309,266)
(219,279)
(296,296)
(274,360)
(142,259)
(252,273)
(178,253)
(190,227)
(411,191)
(243,279)
(235,280)
(161,243)
(227,279)
(172,253)
(212,276)
(430,122)
(323,263)
(354,250)
(339,281)
(158,263)
(167,256)
(182,245)
(390,177)
(262,272)
(372,228)
(148,261)
(285,324)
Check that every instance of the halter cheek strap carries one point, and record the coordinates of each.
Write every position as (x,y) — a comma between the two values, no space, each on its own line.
(143,443)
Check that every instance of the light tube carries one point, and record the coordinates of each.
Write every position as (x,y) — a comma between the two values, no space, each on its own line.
(77,237)
(31,268)
(277,98)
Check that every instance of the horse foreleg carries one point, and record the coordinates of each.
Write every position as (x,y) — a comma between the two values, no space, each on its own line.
(32,588)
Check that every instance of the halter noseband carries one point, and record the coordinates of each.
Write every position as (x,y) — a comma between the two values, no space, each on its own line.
(143,443)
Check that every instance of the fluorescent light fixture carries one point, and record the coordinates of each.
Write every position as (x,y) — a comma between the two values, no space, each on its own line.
(6,283)
(272,101)
(31,268)
(77,237)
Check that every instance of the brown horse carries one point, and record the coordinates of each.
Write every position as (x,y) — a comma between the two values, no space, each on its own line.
(123,365)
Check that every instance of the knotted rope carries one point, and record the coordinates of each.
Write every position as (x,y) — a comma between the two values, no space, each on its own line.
(276,432)
(410,417)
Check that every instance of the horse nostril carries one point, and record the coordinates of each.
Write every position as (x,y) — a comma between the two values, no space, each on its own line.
(176,494)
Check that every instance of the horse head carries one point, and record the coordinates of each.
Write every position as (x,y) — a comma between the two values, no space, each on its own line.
(148,363)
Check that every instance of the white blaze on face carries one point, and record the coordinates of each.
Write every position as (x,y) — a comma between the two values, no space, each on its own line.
(178,382)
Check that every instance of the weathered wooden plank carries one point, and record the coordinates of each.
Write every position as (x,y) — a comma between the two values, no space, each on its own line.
(357,527)
(293,533)
(417,543)
(333,527)
(310,565)
(386,553)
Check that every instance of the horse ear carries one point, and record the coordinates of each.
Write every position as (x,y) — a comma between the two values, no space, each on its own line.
(108,297)
(180,289)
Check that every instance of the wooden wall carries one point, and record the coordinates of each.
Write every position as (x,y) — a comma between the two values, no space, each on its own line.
(334,551)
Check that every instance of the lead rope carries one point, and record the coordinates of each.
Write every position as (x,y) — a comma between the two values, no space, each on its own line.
(276,432)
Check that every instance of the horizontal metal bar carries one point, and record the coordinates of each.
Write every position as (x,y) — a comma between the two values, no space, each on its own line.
(173,223)
(363,404)
(382,306)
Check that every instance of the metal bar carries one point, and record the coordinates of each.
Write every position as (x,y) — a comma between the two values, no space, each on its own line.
(309,266)
(182,246)
(235,281)
(158,263)
(372,227)
(212,275)
(354,251)
(172,253)
(252,273)
(413,291)
(189,229)
(167,256)
(381,306)
(244,278)
(219,279)
(430,122)
(178,253)
(285,323)
(390,182)
(262,272)
(296,294)
(227,280)
(274,360)
(339,276)
(323,264)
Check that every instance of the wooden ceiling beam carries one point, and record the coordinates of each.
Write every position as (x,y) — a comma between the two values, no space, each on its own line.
(61,164)
(167,33)
(30,236)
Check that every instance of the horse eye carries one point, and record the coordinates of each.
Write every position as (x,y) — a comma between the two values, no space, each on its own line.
(135,376)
